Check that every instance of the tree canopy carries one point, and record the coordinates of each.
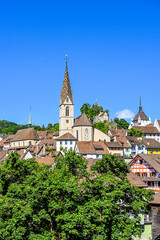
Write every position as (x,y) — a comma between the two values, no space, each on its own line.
(91,111)
(102,126)
(135,132)
(121,123)
(69,202)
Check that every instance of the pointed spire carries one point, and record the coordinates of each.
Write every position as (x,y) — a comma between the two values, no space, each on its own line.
(140,106)
(30,120)
(66,89)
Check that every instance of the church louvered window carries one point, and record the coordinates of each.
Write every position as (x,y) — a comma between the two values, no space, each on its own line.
(67,111)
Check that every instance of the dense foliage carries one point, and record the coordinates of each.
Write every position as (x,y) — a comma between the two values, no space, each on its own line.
(91,111)
(7,127)
(68,202)
(121,123)
(102,126)
(135,132)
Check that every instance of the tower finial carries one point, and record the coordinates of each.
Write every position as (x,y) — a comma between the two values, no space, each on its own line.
(66,59)
(30,120)
(140,106)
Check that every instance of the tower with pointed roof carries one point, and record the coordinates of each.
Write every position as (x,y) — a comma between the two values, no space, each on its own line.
(141,118)
(30,120)
(66,108)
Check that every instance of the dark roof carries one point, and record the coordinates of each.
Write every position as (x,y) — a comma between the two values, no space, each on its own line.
(142,115)
(66,89)
(25,134)
(139,141)
(82,120)
(66,136)
(147,129)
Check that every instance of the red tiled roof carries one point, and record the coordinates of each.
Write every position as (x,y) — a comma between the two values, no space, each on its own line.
(82,120)
(67,136)
(92,147)
(49,160)
(42,134)
(147,129)
(156,200)
(25,134)
(135,180)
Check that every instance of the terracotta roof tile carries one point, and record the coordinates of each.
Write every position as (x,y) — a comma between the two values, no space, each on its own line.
(82,120)
(25,134)
(135,180)
(49,160)
(92,147)
(42,134)
(139,141)
(113,144)
(147,129)
(67,136)
(156,200)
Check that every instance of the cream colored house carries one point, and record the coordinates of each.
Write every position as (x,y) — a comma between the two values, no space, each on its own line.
(24,138)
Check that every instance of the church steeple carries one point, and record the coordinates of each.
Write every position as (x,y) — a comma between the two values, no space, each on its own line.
(66,89)
(66,108)
(140,106)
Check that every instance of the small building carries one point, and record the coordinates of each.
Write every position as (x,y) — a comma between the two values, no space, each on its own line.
(115,148)
(101,117)
(66,141)
(93,150)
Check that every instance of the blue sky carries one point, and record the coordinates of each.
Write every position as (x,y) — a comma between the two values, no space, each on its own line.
(113,49)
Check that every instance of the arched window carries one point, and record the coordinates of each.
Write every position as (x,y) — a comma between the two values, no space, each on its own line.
(77,134)
(86,134)
(67,111)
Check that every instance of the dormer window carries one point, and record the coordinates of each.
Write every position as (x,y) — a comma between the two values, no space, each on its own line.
(67,111)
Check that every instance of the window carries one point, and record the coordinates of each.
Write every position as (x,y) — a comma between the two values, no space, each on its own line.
(70,142)
(142,228)
(65,148)
(86,134)
(157,150)
(140,161)
(65,142)
(70,148)
(67,111)
(77,134)
(23,143)
(67,99)
(144,174)
(138,174)
(60,142)
(30,142)
(67,121)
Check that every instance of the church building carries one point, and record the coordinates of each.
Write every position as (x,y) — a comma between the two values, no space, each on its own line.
(80,128)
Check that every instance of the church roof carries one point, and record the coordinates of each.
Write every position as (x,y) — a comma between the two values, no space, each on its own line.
(25,134)
(82,120)
(66,89)
(140,114)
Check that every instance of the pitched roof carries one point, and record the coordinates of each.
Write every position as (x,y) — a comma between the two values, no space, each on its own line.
(48,142)
(152,159)
(113,145)
(66,136)
(49,160)
(3,155)
(42,134)
(118,132)
(122,140)
(92,147)
(25,134)
(66,89)
(147,129)
(6,139)
(135,180)
(139,141)
(156,200)
(142,115)
(82,120)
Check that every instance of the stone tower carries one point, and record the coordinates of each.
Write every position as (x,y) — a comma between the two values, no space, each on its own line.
(66,108)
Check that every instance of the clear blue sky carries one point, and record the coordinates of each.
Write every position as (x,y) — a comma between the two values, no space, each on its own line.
(113,47)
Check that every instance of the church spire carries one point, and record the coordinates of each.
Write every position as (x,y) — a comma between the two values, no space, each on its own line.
(140,106)
(30,120)
(66,89)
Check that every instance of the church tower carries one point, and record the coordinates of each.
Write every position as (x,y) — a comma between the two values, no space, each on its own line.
(66,108)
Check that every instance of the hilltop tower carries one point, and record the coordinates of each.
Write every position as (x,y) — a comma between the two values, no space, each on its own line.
(30,120)
(66,107)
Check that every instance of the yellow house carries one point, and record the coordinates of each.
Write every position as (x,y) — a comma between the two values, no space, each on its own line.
(153,150)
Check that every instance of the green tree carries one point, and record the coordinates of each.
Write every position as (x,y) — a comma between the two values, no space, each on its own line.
(55,127)
(102,126)
(135,132)
(91,111)
(49,126)
(68,202)
(121,123)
